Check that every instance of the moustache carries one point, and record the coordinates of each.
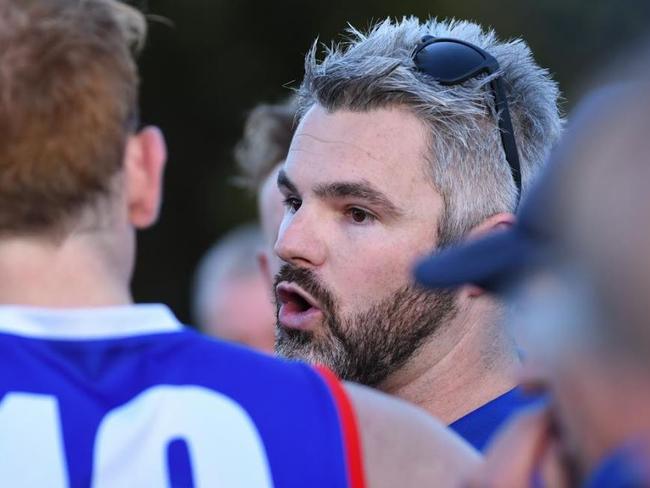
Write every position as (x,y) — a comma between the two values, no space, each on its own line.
(309,282)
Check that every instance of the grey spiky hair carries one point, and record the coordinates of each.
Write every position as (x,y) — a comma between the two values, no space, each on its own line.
(375,70)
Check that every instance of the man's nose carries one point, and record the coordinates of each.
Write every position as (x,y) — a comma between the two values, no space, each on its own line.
(300,239)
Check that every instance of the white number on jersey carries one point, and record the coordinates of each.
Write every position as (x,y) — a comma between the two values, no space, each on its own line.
(31,445)
(225,449)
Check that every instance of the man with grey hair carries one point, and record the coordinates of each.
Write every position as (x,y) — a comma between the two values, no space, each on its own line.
(230,297)
(412,136)
(98,391)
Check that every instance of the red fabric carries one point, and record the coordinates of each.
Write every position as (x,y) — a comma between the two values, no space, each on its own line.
(351,439)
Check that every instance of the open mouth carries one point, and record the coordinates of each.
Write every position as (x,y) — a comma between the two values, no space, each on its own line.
(298,309)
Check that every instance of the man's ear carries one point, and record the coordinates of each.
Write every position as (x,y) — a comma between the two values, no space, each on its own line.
(145,159)
(497,222)
(500,221)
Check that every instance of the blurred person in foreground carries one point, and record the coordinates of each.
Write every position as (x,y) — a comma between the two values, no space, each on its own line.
(412,136)
(96,391)
(260,153)
(577,272)
(231,298)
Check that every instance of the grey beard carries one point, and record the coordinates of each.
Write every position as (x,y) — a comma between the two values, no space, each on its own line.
(369,346)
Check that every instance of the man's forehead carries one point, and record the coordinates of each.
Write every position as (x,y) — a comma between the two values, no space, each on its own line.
(310,142)
(380,140)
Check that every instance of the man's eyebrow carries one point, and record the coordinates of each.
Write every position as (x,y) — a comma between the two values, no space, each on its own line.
(285,182)
(361,190)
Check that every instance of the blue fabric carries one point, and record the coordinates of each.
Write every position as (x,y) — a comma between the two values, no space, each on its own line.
(624,468)
(477,427)
(290,405)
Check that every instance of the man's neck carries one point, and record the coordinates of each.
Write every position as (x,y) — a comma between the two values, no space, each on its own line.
(467,364)
(70,273)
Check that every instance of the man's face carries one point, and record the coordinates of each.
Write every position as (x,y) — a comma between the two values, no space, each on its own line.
(360,208)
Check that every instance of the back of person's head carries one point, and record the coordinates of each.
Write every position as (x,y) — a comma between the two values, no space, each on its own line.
(230,298)
(265,143)
(262,149)
(68,101)
(375,70)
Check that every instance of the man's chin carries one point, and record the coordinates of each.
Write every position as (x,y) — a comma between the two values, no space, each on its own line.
(302,348)
(289,350)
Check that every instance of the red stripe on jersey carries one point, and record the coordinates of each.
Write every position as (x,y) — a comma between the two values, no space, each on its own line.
(351,440)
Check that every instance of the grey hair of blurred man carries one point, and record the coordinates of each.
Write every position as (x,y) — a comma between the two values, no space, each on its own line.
(468,165)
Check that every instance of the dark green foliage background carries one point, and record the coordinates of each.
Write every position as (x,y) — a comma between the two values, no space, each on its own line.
(209,61)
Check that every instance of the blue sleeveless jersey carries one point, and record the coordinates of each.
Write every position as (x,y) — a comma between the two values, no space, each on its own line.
(479,426)
(127,397)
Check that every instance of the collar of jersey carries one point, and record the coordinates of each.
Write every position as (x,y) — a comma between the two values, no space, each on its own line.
(88,323)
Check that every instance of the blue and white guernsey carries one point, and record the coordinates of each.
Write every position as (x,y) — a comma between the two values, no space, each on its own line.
(128,397)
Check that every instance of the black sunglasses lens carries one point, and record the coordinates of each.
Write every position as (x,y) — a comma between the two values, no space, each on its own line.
(449,62)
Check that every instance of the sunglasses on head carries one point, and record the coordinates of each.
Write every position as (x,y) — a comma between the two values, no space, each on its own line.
(451,62)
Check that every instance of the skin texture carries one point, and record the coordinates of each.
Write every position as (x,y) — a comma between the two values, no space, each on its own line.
(360,211)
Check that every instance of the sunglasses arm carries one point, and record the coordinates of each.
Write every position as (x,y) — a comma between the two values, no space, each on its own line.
(507,133)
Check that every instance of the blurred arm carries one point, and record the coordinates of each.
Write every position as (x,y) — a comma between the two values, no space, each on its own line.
(404,446)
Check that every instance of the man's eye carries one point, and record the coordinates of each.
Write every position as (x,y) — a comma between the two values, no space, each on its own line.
(360,216)
(292,204)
